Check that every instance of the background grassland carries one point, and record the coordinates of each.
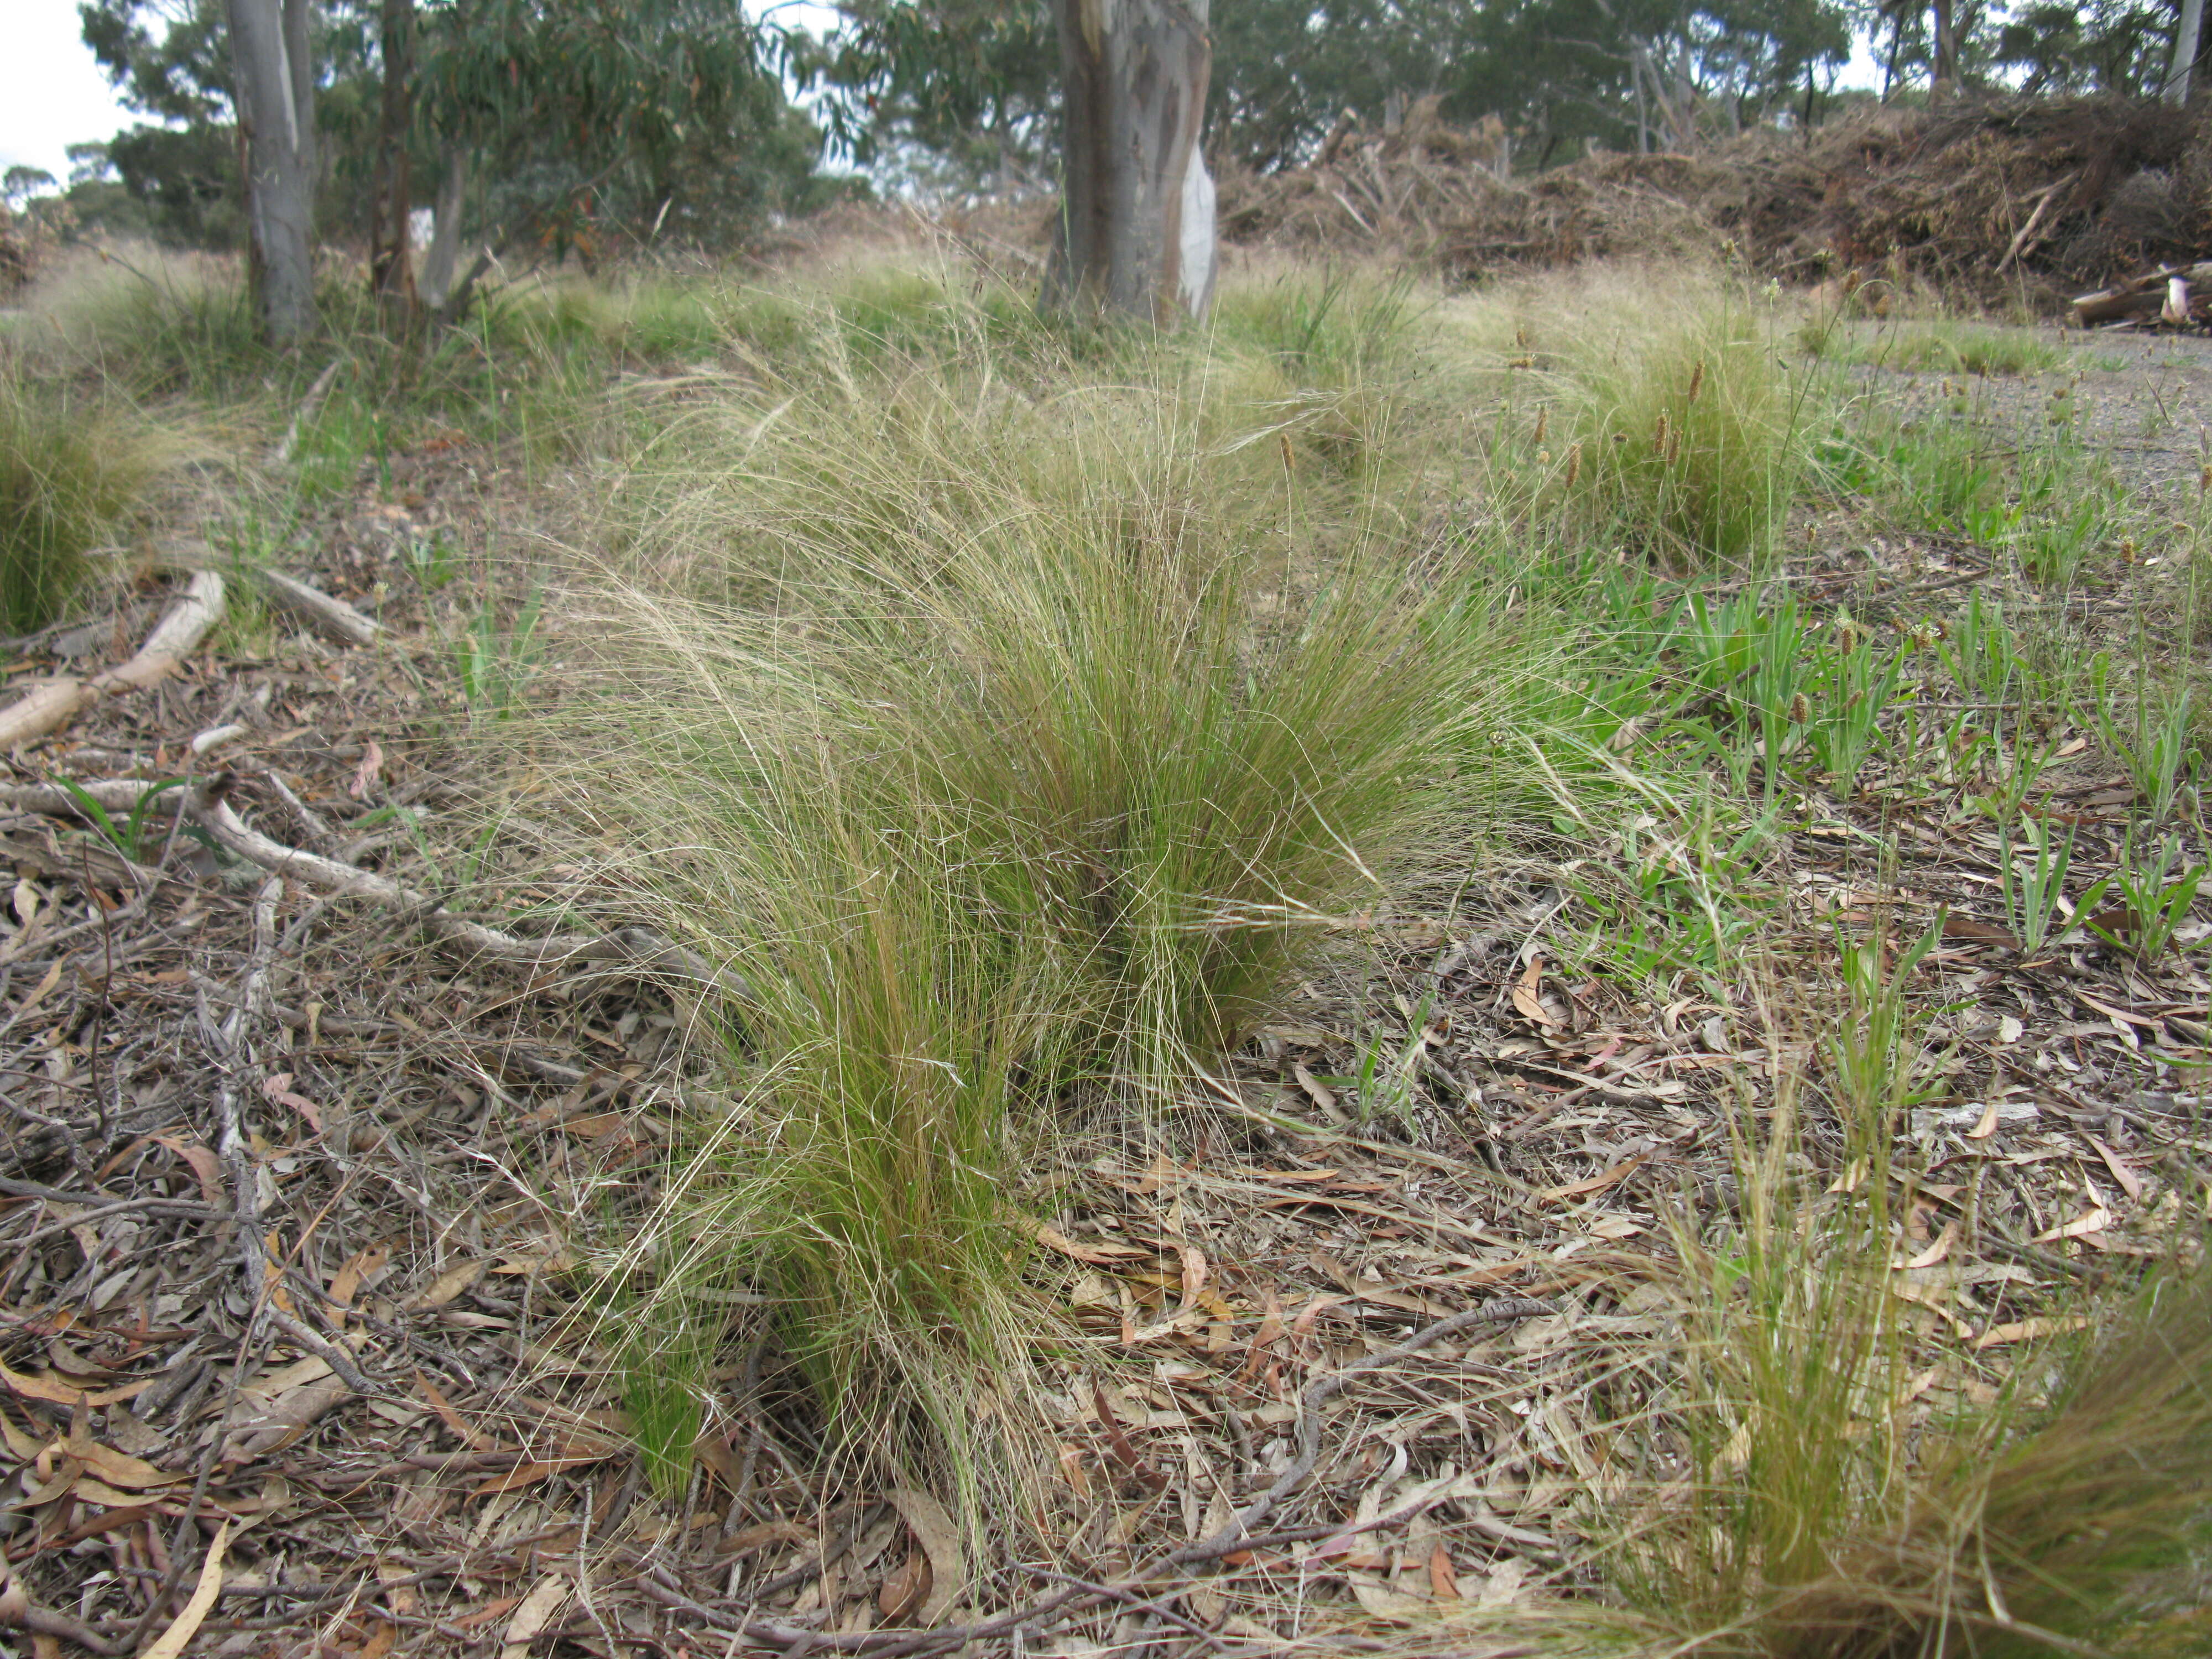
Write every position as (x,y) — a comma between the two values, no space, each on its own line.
(1022,713)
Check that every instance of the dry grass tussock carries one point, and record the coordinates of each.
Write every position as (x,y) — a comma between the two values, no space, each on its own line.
(985,715)
(1015,714)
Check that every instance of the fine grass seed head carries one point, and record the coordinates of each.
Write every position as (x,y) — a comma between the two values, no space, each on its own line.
(1724,434)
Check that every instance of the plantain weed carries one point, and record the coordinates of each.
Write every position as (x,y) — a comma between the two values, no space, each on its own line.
(128,837)
(496,665)
(2152,746)
(2034,882)
(1852,684)
(2153,901)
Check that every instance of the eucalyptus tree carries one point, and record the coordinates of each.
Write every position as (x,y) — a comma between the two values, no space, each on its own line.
(274,65)
(1135,231)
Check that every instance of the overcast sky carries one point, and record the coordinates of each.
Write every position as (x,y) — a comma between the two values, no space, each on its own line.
(52,93)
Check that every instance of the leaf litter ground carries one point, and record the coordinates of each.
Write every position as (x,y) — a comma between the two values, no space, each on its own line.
(295,1197)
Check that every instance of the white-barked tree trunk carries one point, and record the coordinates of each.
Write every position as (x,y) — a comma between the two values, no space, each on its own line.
(276,78)
(1136,229)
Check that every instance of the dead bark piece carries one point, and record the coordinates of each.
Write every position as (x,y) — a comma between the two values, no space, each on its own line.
(332,617)
(49,706)
(2139,296)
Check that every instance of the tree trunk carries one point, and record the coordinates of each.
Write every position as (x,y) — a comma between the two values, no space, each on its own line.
(445,233)
(1946,67)
(391,268)
(2185,40)
(277,118)
(1136,232)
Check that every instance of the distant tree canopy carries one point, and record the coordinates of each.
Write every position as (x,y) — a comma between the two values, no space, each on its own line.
(963,90)
(596,121)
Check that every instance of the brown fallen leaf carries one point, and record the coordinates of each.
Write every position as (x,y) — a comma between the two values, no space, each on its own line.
(172,1641)
(206,1168)
(1381,1601)
(279,1090)
(2130,1183)
(527,1474)
(1317,1091)
(449,1284)
(1596,1184)
(940,1540)
(1443,1582)
(2028,1330)
(490,1613)
(469,1436)
(1505,1585)
(1936,1251)
(1986,1125)
(119,1469)
(346,1283)
(372,763)
(55,1391)
(1967,930)
(1526,1002)
(22,1447)
(904,1589)
(2095,1220)
(763,1534)
(285,1418)
(547,1598)
(1096,1255)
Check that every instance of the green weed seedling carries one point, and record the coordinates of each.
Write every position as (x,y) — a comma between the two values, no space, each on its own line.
(2014,770)
(1878,1054)
(1745,657)
(1384,1078)
(496,665)
(1677,904)
(2034,885)
(2153,902)
(429,560)
(2154,746)
(129,838)
(1979,651)
(1851,684)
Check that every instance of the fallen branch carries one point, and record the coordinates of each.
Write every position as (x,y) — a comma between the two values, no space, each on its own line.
(332,617)
(48,707)
(308,405)
(638,947)
(2138,296)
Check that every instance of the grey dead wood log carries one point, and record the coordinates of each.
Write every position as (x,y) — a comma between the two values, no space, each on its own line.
(1135,235)
(638,948)
(328,616)
(271,56)
(51,704)
(2142,296)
